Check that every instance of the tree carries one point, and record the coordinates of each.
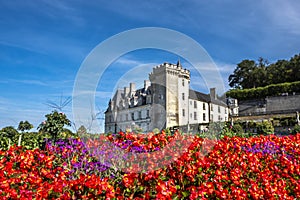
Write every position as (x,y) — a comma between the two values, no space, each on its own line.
(9,131)
(24,126)
(242,76)
(54,124)
(250,74)
(82,130)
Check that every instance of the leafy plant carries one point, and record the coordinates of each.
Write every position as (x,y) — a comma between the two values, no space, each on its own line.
(54,124)
(296,129)
(9,131)
(265,128)
(23,126)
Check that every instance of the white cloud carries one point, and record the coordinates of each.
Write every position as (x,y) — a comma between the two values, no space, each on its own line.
(31,82)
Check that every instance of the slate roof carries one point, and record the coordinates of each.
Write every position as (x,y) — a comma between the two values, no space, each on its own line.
(205,98)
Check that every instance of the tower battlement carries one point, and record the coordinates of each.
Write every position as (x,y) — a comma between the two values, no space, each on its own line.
(173,69)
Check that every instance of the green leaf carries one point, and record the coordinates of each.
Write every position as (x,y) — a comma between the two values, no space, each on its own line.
(185,193)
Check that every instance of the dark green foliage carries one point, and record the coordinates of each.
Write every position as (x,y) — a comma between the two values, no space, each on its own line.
(296,129)
(265,128)
(9,131)
(238,129)
(24,126)
(262,92)
(54,124)
(250,74)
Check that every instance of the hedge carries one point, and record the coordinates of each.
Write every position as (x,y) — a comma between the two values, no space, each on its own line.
(263,92)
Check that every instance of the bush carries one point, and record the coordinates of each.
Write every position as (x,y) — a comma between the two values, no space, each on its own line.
(296,129)
(238,129)
(265,128)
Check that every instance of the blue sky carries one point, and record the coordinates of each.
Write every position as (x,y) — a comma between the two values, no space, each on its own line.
(43,43)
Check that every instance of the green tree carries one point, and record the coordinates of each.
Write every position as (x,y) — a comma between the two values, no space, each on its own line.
(24,125)
(9,131)
(82,130)
(242,76)
(54,124)
(250,74)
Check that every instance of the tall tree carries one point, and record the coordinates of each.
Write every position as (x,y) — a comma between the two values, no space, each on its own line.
(54,124)
(24,126)
(242,76)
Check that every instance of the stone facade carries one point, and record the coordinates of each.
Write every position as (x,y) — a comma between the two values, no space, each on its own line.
(270,105)
(165,101)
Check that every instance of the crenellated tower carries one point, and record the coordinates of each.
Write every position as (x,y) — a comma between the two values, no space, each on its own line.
(170,93)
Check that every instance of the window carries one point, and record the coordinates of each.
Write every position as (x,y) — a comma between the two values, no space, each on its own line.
(195,115)
(219,118)
(182,82)
(212,117)
(148,114)
(195,104)
(211,107)
(126,117)
(191,102)
(140,114)
(183,112)
(204,107)
(225,110)
(132,116)
(182,96)
(204,117)
(219,109)
(191,115)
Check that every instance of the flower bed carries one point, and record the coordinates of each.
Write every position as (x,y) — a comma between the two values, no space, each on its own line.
(264,167)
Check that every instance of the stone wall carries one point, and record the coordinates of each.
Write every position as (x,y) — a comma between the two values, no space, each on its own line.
(285,103)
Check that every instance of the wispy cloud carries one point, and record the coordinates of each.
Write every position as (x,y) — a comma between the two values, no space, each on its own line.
(126,60)
(29,81)
(284,15)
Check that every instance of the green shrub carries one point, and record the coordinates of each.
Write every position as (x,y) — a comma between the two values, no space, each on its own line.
(296,129)
(263,92)
(265,128)
(238,129)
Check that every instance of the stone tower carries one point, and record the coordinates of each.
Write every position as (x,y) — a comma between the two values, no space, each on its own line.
(170,93)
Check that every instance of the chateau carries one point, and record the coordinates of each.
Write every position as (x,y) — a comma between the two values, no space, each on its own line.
(165,101)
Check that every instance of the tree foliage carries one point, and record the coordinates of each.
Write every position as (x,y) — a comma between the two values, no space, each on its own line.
(24,125)
(250,74)
(9,131)
(262,92)
(54,124)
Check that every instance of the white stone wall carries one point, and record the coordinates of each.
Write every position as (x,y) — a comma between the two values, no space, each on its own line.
(218,113)
(183,100)
(123,119)
(199,108)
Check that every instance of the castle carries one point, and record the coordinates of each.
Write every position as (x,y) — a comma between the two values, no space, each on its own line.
(165,101)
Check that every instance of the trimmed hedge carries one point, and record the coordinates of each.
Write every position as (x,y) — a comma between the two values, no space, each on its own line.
(263,92)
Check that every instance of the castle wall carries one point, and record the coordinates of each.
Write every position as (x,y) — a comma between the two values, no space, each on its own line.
(275,104)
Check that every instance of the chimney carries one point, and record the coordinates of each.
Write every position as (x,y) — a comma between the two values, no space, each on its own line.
(126,91)
(146,84)
(213,94)
(132,88)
